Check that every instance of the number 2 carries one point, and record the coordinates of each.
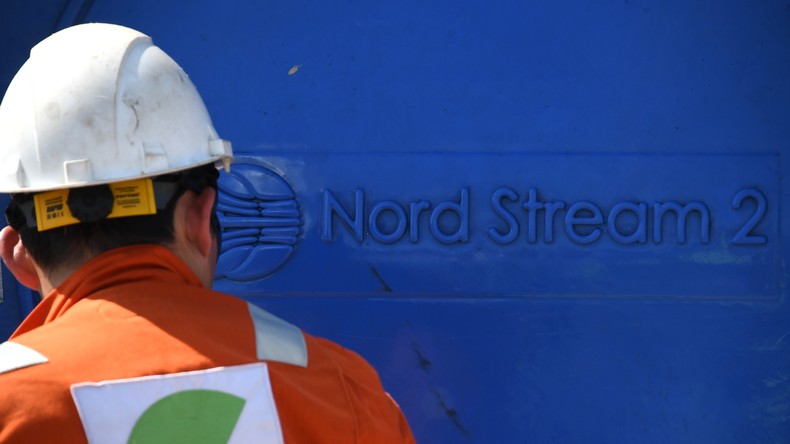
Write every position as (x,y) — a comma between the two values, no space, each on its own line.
(745,235)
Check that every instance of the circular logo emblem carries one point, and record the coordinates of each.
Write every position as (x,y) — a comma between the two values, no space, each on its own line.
(260,221)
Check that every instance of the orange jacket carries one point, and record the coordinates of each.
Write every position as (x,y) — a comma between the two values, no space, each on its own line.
(140,311)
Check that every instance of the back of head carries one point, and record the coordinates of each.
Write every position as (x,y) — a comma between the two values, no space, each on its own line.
(94,115)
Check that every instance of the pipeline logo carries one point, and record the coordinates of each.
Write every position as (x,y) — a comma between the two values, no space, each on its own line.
(260,221)
(222,405)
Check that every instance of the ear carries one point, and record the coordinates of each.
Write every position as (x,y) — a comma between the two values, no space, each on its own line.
(17,259)
(198,211)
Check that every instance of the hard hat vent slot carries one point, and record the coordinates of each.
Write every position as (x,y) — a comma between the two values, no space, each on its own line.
(21,175)
(78,171)
(219,147)
(155,157)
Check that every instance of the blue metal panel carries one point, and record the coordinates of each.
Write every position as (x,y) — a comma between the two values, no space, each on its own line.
(493,313)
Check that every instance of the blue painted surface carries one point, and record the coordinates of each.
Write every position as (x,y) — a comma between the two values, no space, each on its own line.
(611,341)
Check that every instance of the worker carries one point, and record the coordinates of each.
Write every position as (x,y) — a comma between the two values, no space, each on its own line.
(112,162)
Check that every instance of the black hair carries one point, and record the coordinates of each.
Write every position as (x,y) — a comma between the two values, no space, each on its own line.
(77,242)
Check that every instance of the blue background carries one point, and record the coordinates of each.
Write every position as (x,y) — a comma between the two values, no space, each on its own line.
(502,78)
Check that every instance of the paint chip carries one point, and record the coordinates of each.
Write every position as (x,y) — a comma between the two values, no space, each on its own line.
(293,69)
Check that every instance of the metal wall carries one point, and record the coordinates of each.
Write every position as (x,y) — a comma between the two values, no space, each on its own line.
(540,221)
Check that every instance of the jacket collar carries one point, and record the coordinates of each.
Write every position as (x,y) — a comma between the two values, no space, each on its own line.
(134,263)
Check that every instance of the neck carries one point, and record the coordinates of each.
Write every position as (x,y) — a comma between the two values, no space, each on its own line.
(51,279)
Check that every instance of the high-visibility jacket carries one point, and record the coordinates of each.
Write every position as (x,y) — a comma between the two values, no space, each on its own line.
(131,348)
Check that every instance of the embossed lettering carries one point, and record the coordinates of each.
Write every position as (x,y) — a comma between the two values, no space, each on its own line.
(682,213)
(582,214)
(400,219)
(461,209)
(415,208)
(551,208)
(333,207)
(388,220)
(745,235)
(639,235)
(512,224)
(532,206)
(584,222)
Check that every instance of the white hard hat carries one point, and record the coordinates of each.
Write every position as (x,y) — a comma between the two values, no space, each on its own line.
(100,103)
